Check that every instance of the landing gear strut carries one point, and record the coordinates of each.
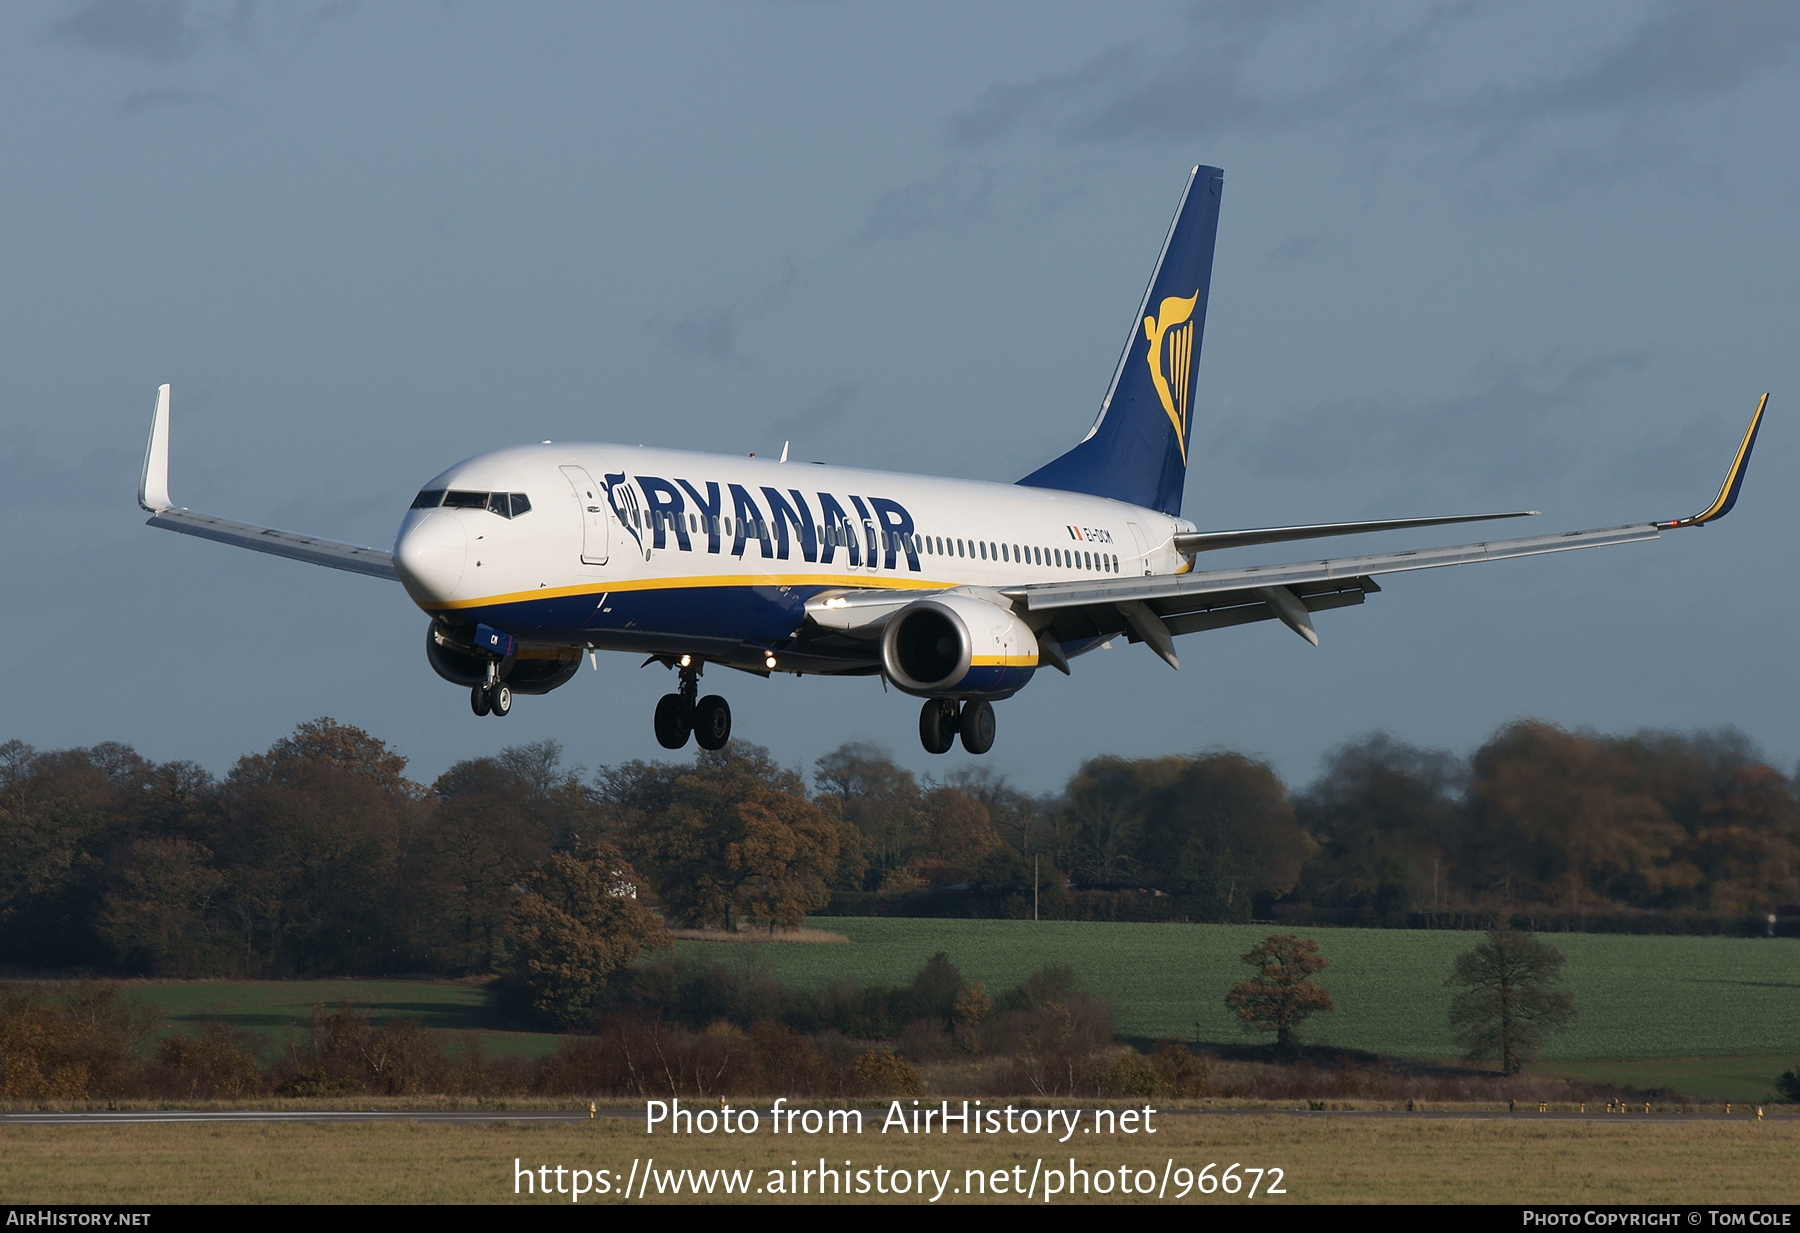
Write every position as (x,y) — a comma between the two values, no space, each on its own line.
(679,714)
(493,697)
(941,720)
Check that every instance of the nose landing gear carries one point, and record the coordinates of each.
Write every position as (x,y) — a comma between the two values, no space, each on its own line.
(494,696)
(941,720)
(678,715)
(490,700)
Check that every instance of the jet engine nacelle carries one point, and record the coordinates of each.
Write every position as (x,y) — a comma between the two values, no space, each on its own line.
(958,646)
(536,670)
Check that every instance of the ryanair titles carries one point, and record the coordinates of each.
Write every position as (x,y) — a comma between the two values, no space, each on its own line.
(781,523)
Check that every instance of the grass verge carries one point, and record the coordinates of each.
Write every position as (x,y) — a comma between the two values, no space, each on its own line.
(1323,1160)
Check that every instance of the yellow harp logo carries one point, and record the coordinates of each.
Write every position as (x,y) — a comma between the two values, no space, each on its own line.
(1170,357)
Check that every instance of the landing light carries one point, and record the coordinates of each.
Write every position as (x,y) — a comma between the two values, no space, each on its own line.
(687,661)
(769,660)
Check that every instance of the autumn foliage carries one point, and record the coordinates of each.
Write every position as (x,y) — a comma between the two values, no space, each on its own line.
(1282,995)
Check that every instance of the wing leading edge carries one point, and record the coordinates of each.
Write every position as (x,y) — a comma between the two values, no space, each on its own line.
(153,497)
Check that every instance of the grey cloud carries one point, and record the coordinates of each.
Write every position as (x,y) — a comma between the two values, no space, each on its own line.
(334,10)
(1685,461)
(1207,76)
(149,99)
(32,480)
(159,31)
(817,415)
(707,336)
(154,30)
(1120,93)
(1200,85)
(1689,53)
(1515,423)
(1003,107)
(957,197)
(1693,51)
(1297,247)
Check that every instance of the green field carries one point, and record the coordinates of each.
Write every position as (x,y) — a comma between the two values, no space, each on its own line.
(1746,1080)
(1636,997)
(1706,1016)
(276,1007)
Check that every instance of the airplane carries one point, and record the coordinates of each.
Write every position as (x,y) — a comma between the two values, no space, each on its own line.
(954,591)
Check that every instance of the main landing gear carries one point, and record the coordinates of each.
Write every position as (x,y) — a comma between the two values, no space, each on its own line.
(678,714)
(941,720)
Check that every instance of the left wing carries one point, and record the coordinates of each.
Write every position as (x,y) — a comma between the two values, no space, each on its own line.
(1154,610)
(153,497)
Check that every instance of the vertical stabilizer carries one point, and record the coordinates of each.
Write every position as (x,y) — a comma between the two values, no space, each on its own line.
(1137,449)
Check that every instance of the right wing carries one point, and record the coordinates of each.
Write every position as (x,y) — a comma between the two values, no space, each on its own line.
(1154,610)
(153,497)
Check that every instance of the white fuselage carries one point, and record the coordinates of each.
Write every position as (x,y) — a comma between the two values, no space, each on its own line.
(672,552)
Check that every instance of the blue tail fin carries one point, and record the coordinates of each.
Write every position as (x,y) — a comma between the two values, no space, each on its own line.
(1137,450)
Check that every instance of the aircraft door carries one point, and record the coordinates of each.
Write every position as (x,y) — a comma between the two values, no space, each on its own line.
(1143,544)
(590,500)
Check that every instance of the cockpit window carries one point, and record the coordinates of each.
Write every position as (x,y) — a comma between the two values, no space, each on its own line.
(505,504)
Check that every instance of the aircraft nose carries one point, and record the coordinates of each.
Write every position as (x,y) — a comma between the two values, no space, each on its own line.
(430,555)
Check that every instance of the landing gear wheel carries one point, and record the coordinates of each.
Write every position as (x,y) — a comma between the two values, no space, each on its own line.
(712,722)
(672,722)
(478,700)
(937,725)
(499,699)
(977,727)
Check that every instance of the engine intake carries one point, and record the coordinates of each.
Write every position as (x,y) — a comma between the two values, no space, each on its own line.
(958,646)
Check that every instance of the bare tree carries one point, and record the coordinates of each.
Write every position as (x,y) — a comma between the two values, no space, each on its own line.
(1509,1007)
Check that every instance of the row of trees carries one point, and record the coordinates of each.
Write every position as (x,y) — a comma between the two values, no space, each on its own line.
(1508,1004)
(1538,817)
(321,856)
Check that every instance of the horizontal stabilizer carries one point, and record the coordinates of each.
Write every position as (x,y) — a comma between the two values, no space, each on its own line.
(1205,541)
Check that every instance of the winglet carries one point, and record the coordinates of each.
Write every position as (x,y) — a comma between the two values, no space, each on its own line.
(1734,478)
(153,484)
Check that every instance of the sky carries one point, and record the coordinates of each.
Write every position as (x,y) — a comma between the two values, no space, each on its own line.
(1471,257)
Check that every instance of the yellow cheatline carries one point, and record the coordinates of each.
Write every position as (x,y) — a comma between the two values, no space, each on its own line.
(850,582)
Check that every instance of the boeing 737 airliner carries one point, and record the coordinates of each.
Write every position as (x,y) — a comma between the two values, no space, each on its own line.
(954,591)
